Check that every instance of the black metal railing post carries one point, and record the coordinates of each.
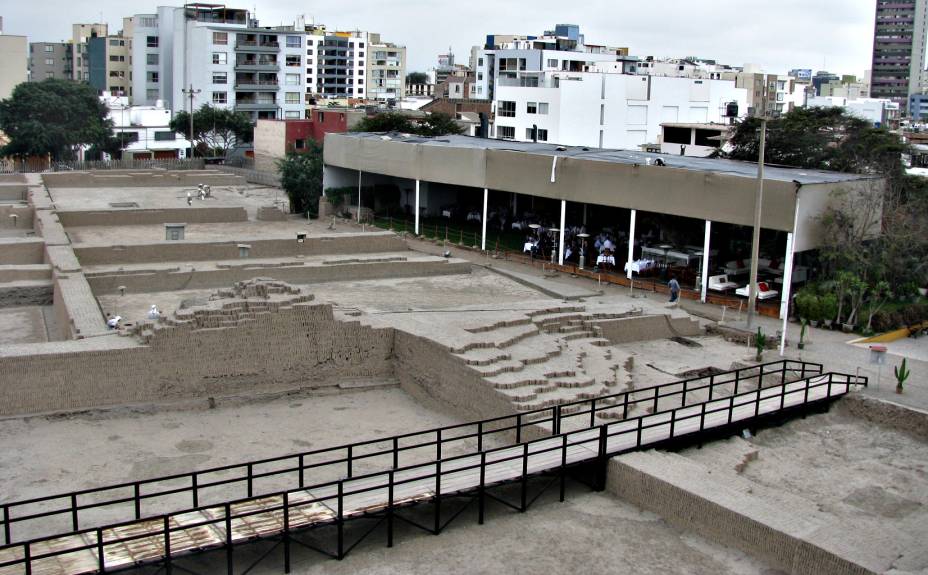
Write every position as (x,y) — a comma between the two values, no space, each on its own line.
(396,452)
(137,497)
(286,532)
(302,479)
(640,425)
(737,378)
(683,395)
(340,522)
(782,395)
(673,421)
(194,490)
(655,400)
(757,403)
(437,529)
(7,537)
(524,502)
(27,558)
(711,386)
(480,436)
(702,418)
(250,479)
(593,413)
(563,465)
(438,442)
(390,509)
(602,459)
(830,378)
(783,374)
(805,395)
(101,557)
(518,428)
(556,420)
(731,408)
(168,564)
(350,461)
(74,521)
(481,491)
(230,560)
(625,406)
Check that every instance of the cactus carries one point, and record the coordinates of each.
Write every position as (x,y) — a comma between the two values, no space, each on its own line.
(802,333)
(760,342)
(902,374)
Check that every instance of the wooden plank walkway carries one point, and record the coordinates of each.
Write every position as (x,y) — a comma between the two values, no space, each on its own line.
(144,541)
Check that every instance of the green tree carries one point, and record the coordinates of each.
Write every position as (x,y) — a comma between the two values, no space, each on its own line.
(434,124)
(438,124)
(218,129)
(301,178)
(417,78)
(55,117)
(385,122)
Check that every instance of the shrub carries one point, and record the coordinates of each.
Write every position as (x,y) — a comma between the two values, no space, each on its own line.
(882,321)
(829,306)
(814,308)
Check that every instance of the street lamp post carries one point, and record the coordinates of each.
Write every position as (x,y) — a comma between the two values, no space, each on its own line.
(758,209)
(191,93)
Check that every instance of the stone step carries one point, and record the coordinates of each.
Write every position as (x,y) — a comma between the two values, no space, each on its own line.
(499,325)
(499,368)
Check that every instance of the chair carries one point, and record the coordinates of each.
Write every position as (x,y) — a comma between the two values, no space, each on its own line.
(763,291)
(720,283)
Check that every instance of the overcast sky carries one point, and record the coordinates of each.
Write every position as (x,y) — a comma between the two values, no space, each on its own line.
(836,35)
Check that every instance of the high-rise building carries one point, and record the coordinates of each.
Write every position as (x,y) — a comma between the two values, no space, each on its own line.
(109,59)
(50,60)
(14,66)
(223,57)
(899,36)
(335,63)
(81,34)
(386,70)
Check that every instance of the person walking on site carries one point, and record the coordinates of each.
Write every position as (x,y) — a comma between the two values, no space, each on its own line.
(674,286)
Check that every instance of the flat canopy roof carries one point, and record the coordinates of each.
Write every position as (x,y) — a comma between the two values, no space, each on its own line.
(702,188)
(628,157)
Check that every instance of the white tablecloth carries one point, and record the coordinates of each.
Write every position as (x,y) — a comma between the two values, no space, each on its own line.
(639,266)
(602,259)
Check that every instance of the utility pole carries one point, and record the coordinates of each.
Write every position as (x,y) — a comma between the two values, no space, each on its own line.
(758,205)
(191,93)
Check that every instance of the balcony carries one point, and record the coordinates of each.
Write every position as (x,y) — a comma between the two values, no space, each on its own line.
(256,65)
(248,85)
(253,104)
(255,46)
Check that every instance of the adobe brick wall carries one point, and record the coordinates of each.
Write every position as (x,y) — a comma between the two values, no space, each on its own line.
(140,178)
(17,251)
(135,217)
(25,215)
(13,192)
(182,251)
(297,347)
(26,293)
(646,328)
(184,279)
(12,178)
(25,272)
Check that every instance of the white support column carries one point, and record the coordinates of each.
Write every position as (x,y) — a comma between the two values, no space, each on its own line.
(417,208)
(787,290)
(483,222)
(704,277)
(631,243)
(359,195)
(560,244)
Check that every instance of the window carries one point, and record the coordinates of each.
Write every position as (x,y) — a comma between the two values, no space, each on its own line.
(220,97)
(221,38)
(151,41)
(360,80)
(506,132)
(49,74)
(165,136)
(292,79)
(49,48)
(531,107)
(151,94)
(321,117)
(542,134)
(309,52)
(292,98)
(543,108)
(151,77)
(117,74)
(480,61)
(507,110)
(294,42)
(219,58)
(552,63)
(220,78)
(293,61)
(49,61)
(117,42)
(117,58)
(479,76)
(292,115)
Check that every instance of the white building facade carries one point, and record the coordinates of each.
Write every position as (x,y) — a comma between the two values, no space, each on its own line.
(145,129)
(221,55)
(878,111)
(608,110)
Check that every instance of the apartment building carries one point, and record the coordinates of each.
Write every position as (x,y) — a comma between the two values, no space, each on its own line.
(14,65)
(144,130)
(770,94)
(386,70)
(600,108)
(50,60)
(221,57)
(110,64)
(881,112)
(81,34)
(335,63)
(899,35)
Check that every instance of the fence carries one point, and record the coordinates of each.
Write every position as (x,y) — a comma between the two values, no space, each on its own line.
(253,176)
(42,165)
(378,496)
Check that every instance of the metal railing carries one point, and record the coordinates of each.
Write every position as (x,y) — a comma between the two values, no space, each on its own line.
(69,507)
(39,165)
(282,507)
